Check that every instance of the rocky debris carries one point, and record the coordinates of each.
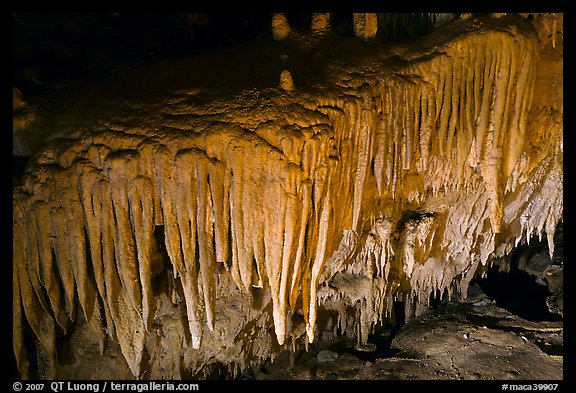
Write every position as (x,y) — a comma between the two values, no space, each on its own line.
(484,342)
(23,117)
(555,280)
(460,339)
(536,265)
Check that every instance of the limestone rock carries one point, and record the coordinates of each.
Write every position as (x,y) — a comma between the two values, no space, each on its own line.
(555,279)
(286,81)
(320,23)
(17,99)
(535,265)
(457,340)
(326,356)
(24,116)
(442,18)
(365,25)
(475,352)
(236,220)
(280,27)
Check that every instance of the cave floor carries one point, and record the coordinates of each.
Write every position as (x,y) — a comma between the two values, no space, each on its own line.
(456,340)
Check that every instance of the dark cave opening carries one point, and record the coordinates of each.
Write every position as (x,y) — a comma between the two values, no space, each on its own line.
(519,293)
(531,277)
(18,166)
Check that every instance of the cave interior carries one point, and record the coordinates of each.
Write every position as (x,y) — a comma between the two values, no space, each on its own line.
(287,196)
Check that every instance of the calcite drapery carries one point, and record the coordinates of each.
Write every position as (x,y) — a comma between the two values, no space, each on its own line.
(398,174)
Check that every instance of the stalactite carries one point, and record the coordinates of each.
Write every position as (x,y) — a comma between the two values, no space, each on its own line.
(87,179)
(141,215)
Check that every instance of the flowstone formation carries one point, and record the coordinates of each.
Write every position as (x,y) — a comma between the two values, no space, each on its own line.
(193,228)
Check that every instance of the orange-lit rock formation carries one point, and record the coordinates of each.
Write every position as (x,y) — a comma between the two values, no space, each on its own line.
(380,175)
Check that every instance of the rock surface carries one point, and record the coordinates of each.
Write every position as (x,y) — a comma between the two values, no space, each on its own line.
(280,27)
(198,205)
(365,25)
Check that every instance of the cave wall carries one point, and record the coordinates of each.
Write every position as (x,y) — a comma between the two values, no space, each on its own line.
(226,226)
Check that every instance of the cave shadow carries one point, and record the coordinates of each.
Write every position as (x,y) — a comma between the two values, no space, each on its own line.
(382,337)
(519,293)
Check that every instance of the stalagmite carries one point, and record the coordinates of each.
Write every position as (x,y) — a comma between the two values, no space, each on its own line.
(286,81)
(395,176)
(320,23)
(365,25)
(280,27)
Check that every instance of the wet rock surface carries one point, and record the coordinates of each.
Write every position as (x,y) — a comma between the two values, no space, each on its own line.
(463,339)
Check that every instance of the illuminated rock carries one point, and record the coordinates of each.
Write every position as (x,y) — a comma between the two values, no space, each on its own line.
(395,175)
(320,23)
(365,25)
(280,27)
(286,81)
